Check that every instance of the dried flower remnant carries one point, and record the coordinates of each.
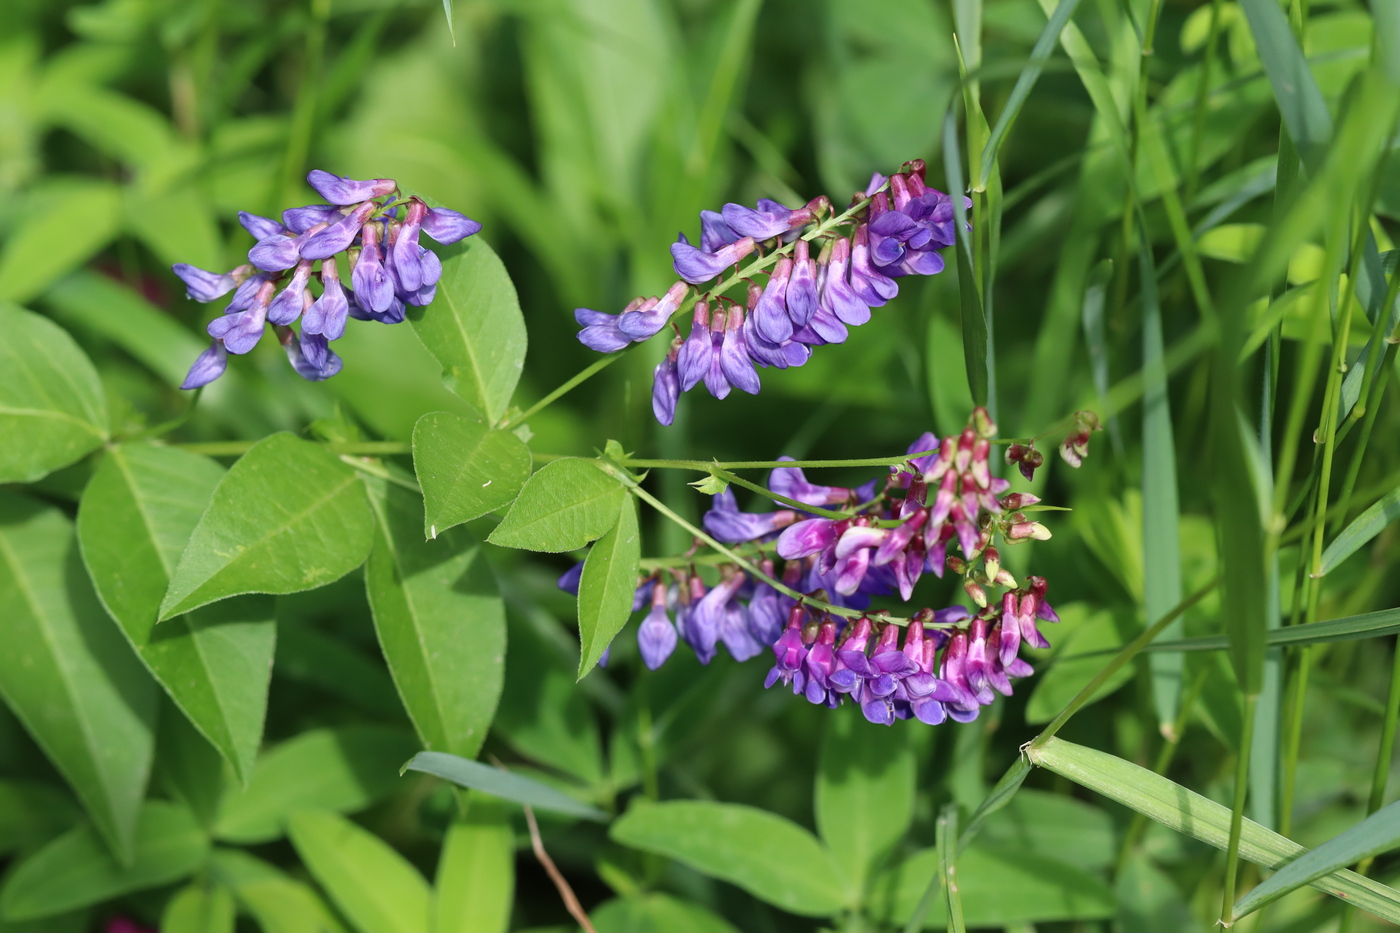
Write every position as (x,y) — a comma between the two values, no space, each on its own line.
(388,268)
(822,279)
(1076,445)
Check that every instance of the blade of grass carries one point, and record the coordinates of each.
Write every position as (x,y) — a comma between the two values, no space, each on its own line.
(974,324)
(947,840)
(1187,812)
(1362,529)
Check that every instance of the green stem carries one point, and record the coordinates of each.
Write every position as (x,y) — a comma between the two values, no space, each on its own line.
(1392,713)
(578,378)
(1232,864)
(1128,652)
(706,466)
(1198,116)
(946,835)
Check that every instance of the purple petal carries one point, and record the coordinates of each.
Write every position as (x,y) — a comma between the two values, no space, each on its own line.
(338,189)
(260,227)
(208,366)
(201,285)
(447,226)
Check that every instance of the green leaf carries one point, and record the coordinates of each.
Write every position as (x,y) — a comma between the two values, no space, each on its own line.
(607,587)
(279,904)
(998,888)
(1030,72)
(52,408)
(69,221)
(76,870)
(136,515)
(475,884)
(1361,530)
(441,623)
(864,792)
(1368,625)
(199,908)
(310,656)
(1187,812)
(772,858)
(32,813)
(465,469)
(67,674)
(344,769)
(1161,513)
(474,327)
(376,888)
(974,321)
(565,505)
(503,784)
(1379,832)
(287,517)
(1299,99)
(997,798)
(188,767)
(656,913)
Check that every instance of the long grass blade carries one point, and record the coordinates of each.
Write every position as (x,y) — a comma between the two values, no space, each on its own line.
(1362,529)
(1187,812)
(1044,45)
(974,323)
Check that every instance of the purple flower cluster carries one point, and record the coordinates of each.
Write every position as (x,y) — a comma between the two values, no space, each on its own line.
(389,270)
(951,663)
(808,301)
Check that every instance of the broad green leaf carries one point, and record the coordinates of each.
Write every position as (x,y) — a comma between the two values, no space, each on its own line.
(136,515)
(52,408)
(772,858)
(76,869)
(32,813)
(474,327)
(69,221)
(864,792)
(66,672)
(199,908)
(565,505)
(997,887)
(376,888)
(441,623)
(1187,812)
(465,469)
(278,903)
(287,517)
(1025,81)
(344,769)
(655,912)
(1361,530)
(500,783)
(607,587)
(1379,832)
(1053,825)
(475,884)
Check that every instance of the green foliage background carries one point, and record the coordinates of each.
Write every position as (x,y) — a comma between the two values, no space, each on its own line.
(584,134)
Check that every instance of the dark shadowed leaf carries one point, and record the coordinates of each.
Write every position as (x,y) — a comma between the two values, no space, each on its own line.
(52,408)
(772,858)
(441,623)
(136,515)
(655,912)
(66,672)
(567,504)
(465,469)
(287,517)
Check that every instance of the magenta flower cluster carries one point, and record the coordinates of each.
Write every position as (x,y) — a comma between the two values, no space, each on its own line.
(951,662)
(823,282)
(389,270)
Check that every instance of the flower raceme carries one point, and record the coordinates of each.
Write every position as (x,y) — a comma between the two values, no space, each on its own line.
(945,664)
(820,282)
(388,267)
